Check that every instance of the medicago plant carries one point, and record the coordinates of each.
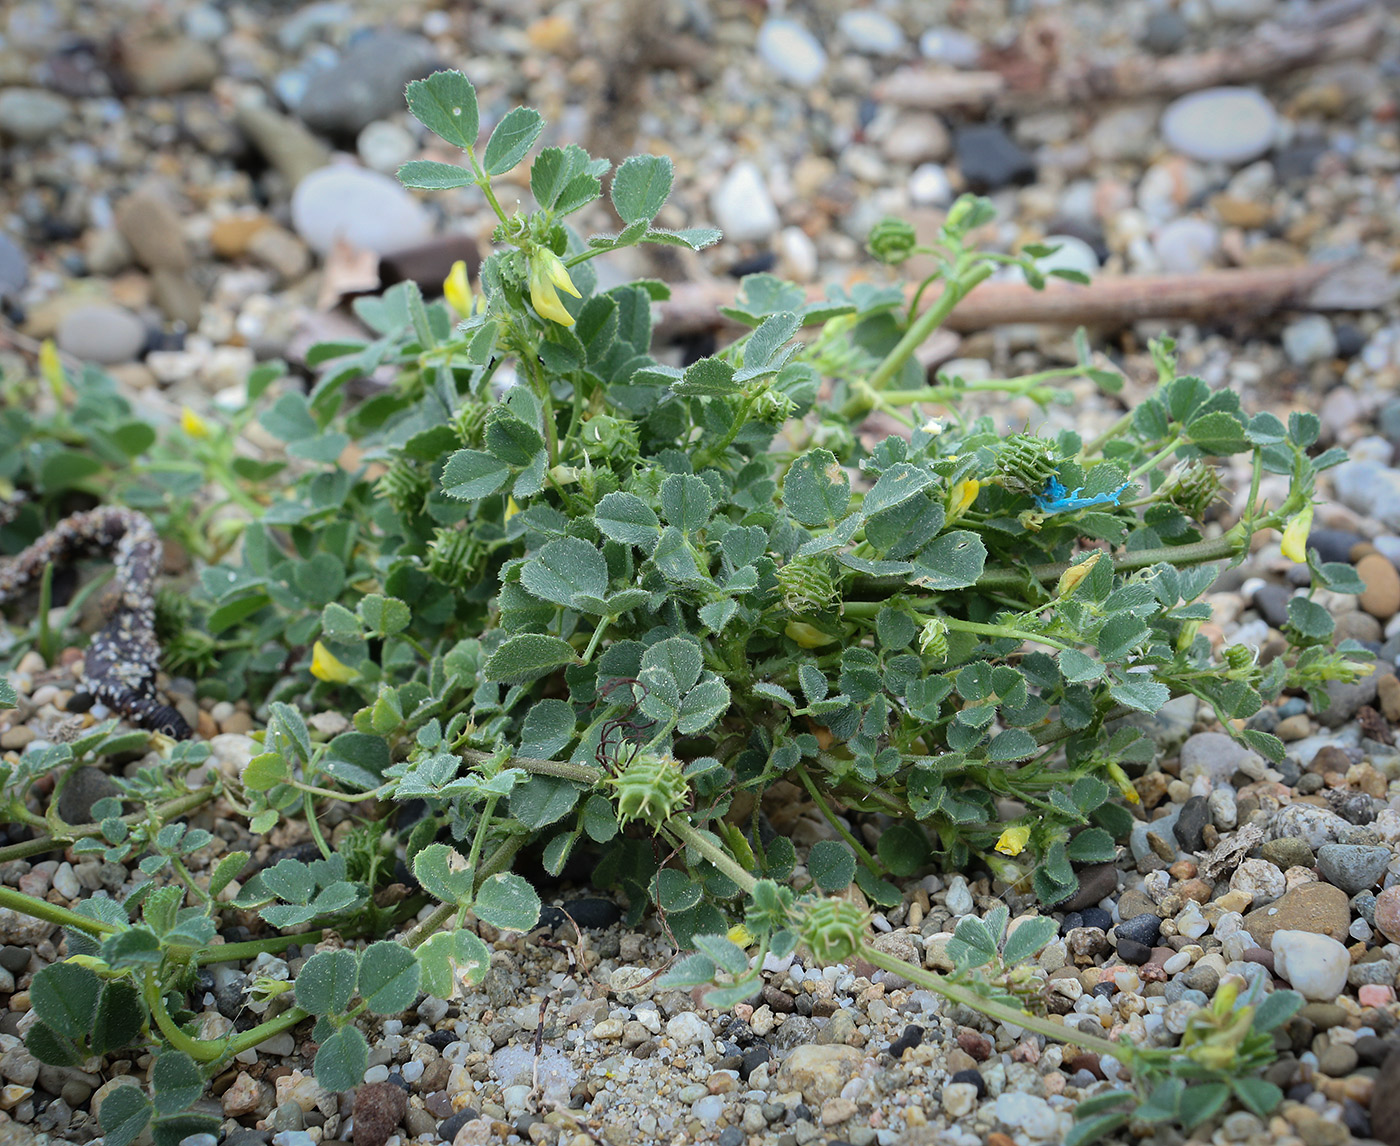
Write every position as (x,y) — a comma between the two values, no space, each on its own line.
(586,603)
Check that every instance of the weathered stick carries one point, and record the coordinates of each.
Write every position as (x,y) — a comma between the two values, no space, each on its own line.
(1110,301)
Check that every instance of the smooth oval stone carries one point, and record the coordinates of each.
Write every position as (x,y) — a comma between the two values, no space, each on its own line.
(791,51)
(1221,125)
(102,333)
(368,210)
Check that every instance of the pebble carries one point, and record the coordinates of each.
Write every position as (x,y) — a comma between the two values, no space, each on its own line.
(1309,339)
(32,115)
(1221,125)
(367,84)
(989,159)
(929,186)
(743,206)
(1319,908)
(1314,965)
(1186,245)
(101,333)
(385,146)
(1353,867)
(1165,32)
(163,66)
(1035,1117)
(950,46)
(1381,597)
(154,231)
(791,51)
(872,32)
(1387,913)
(366,209)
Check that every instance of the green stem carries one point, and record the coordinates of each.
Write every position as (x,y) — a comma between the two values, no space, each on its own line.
(935,982)
(959,286)
(579,773)
(844,832)
(51,913)
(1160,456)
(687,833)
(68,833)
(200,1050)
(252,948)
(308,807)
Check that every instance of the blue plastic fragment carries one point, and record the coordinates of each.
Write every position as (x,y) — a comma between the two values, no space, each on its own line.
(1057,499)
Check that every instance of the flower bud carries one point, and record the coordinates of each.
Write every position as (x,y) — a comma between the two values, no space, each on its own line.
(933,639)
(1071,577)
(1295,535)
(326,666)
(457,290)
(193,424)
(1014,839)
(891,240)
(962,496)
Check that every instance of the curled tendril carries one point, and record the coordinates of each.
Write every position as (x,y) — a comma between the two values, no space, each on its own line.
(620,741)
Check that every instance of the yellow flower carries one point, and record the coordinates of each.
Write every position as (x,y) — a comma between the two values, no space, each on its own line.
(511,508)
(547,271)
(739,935)
(808,636)
(1071,577)
(1295,536)
(326,666)
(963,495)
(1013,840)
(193,424)
(51,367)
(1119,777)
(457,290)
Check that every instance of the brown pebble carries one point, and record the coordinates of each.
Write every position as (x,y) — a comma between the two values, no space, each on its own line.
(997,1138)
(1182,869)
(1388,689)
(1381,597)
(1388,913)
(977,1045)
(1385,1101)
(1260,956)
(1359,550)
(1085,1061)
(378,1108)
(1199,890)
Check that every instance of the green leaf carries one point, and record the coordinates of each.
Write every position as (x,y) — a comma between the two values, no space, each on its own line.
(512,138)
(66,469)
(8,698)
(529,657)
(543,800)
(1028,938)
(508,903)
(831,864)
(1310,619)
(1092,1129)
(1218,433)
(903,849)
(717,614)
(326,983)
(429,175)
(510,438)
(1093,845)
(64,996)
(444,873)
(1013,744)
(1200,1103)
(641,186)
(176,1081)
(687,502)
(817,489)
(1145,695)
(52,1048)
(676,658)
(1258,1095)
(471,474)
(723,952)
(703,705)
(447,954)
(627,518)
(1077,667)
(290,880)
(124,1114)
(388,977)
(1276,1009)
(384,615)
(674,890)
(445,103)
(342,1060)
(548,728)
(953,561)
(565,568)
(693,238)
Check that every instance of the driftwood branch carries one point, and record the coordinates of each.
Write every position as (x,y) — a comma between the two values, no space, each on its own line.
(1109,301)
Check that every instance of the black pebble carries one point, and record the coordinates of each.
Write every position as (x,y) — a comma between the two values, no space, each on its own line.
(79,702)
(801,1111)
(752,1059)
(1333,544)
(14,959)
(1371,1051)
(1350,340)
(1357,1118)
(590,914)
(244,1136)
(974,1077)
(911,1038)
(1072,920)
(402,1083)
(989,158)
(448,1128)
(1096,917)
(754,265)
(1271,602)
(1191,824)
(1103,990)
(1133,952)
(1164,33)
(441,1040)
(1145,928)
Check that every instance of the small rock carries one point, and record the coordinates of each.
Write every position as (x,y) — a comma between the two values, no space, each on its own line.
(368,83)
(959,1098)
(819,1071)
(929,186)
(1387,913)
(1309,339)
(1096,883)
(791,51)
(155,232)
(1260,880)
(1318,908)
(384,146)
(1143,928)
(916,137)
(1288,852)
(379,1106)
(950,46)
(280,251)
(368,210)
(1381,597)
(283,142)
(1352,867)
(1187,245)
(1313,825)
(1388,693)
(1191,823)
(243,1096)
(1314,965)
(989,159)
(1220,125)
(1029,1114)
(871,32)
(743,207)
(1165,32)
(32,115)
(160,67)
(85,787)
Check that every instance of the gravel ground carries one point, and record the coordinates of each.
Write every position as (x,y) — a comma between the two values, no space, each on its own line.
(176,179)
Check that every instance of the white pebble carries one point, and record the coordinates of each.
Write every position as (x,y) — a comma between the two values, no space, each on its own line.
(1191,922)
(1315,965)
(791,51)
(66,883)
(377,1074)
(1178,962)
(688,1029)
(1224,125)
(959,900)
(871,32)
(743,207)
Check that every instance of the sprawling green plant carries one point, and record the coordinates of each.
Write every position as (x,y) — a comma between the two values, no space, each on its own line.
(579,597)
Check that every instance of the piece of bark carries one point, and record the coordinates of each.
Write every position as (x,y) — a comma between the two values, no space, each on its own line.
(1108,301)
(939,89)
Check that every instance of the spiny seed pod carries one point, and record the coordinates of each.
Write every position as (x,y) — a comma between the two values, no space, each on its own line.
(404,486)
(1024,463)
(468,421)
(833,929)
(933,639)
(1192,488)
(891,240)
(452,557)
(1239,657)
(807,584)
(650,788)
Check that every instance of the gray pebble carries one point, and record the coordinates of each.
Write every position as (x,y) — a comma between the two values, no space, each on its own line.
(101,333)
